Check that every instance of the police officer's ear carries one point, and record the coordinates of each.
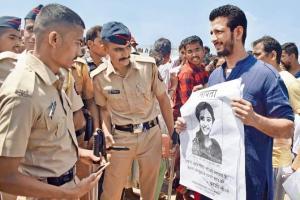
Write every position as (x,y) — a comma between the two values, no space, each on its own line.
(238,33)
(54,38)
(102,44)
(274,55)
(293,56)
(105,46)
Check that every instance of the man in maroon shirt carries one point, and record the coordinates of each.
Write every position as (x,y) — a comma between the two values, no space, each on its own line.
(192,75)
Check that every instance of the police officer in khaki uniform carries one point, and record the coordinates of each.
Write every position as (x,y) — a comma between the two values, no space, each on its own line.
(38,147)
(77,104)
(83,82)
(68,86)
(10,36)
(84,88)
(28,35)
(10,41)
(96,53)
(126,89)
(78,80)
(8,61)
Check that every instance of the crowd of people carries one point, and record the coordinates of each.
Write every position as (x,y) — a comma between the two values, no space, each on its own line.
(60,91)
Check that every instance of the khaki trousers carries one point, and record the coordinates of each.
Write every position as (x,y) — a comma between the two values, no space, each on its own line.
(145,147)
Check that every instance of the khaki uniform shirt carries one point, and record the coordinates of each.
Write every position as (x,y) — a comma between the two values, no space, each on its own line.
(47,142)
(69,88)
(7,64)
(293,87)
(282,155)
(83,81)
(129,99)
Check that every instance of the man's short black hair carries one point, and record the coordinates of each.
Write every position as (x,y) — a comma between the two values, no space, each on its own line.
(93,33)
(182,44)
(56,15)
(161,49)
(290,48)
(193,39)
(236,17)
(207,49)
(270,44)
(163,46)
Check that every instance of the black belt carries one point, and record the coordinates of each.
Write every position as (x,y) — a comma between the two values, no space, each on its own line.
(65,178)
(137,128)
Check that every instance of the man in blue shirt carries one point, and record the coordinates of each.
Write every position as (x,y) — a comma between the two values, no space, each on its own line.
(264,108)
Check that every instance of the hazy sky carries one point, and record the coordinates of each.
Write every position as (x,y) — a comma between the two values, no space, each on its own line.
(175,20)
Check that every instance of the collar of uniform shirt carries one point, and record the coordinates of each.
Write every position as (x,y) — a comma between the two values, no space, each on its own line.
(59,83)
(111,69)
(40,68)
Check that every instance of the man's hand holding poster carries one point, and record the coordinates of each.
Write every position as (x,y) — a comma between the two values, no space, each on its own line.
(212,147)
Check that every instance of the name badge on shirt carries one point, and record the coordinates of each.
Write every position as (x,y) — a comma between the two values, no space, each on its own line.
(114,91)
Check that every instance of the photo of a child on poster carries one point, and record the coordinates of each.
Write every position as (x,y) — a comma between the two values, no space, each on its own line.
(203,145)
(212,147)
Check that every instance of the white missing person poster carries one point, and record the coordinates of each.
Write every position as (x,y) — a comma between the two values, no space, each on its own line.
(212,148)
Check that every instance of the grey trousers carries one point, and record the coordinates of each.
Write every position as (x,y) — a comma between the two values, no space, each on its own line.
(279,178)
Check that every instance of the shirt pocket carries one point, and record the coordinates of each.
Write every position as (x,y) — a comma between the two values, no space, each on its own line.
(56,124)
(143,100)
(48,128)
(116,99)
(143,95)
